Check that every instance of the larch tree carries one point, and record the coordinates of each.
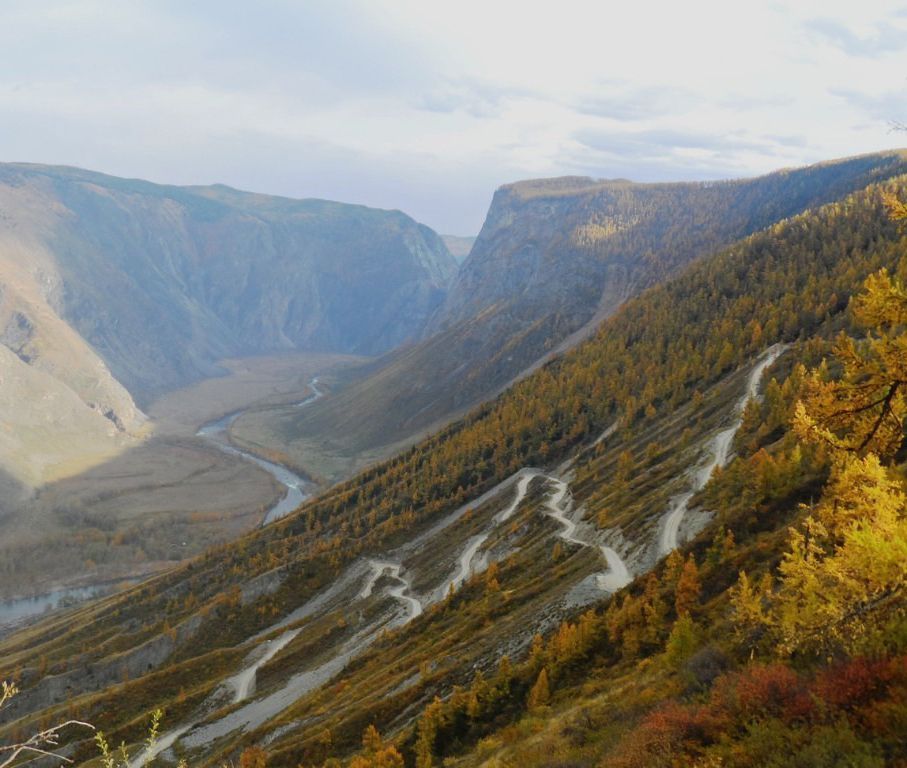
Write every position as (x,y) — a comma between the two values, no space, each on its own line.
(376,753)
(540,692)
(686,594)
(844,573)
(863,411)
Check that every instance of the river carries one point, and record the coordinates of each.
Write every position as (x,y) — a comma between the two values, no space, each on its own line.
(19,609)
(297,487)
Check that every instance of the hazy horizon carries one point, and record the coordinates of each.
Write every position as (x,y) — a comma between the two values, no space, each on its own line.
(428,109)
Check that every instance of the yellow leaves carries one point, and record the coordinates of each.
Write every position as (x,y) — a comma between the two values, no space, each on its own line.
(848,559)
(805,612)
(810,431)
(7,692)
(427,730)
(866,514)
(376,754)
(883,304)
(860,490)
(557,552)
(749,600)
(864,410)
(492,583)
(636,621)
(896,209)
(540,693)
(686,594)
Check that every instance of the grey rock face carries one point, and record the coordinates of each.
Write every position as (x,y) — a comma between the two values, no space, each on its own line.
(164,281)
(579,246)
(16,335)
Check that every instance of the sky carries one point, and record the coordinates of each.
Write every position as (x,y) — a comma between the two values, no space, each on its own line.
(429,106)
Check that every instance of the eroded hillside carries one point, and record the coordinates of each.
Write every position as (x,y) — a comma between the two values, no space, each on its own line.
(62,410)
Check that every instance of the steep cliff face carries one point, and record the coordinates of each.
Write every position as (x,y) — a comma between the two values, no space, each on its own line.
(112,289)
(553,259)
(164,281)
(525,256)
(576,245)
(60,407)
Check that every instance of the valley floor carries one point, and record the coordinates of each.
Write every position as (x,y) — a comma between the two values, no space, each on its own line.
(166,499)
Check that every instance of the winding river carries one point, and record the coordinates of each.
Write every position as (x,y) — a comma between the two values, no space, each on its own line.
(19,609)
(217,432)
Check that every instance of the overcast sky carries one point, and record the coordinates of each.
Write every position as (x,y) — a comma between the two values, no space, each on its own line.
(429,106)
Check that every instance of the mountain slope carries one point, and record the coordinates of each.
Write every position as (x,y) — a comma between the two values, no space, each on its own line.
(199,273)
(554,258)
(120,288)
(61,408)
(541,495)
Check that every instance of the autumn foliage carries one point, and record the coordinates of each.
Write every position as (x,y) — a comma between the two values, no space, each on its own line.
(844,573)
(857,695)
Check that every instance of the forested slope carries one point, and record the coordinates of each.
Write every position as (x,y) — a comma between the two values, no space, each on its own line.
(552,256)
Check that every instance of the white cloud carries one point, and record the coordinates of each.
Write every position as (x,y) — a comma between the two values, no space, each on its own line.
(429,106)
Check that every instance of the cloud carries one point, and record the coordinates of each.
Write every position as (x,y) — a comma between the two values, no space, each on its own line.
(797,140)
(884,107)
(472,97)
(659,165)
(885,38)
(428,107)
(627,103)
(681,154)
(662,142)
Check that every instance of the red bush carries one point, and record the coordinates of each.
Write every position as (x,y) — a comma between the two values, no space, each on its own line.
(664,734)
(770,690)
(850,684)
(872,693)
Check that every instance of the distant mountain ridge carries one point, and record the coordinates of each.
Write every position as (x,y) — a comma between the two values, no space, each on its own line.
(535,228)
(197,273)
(553,259)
